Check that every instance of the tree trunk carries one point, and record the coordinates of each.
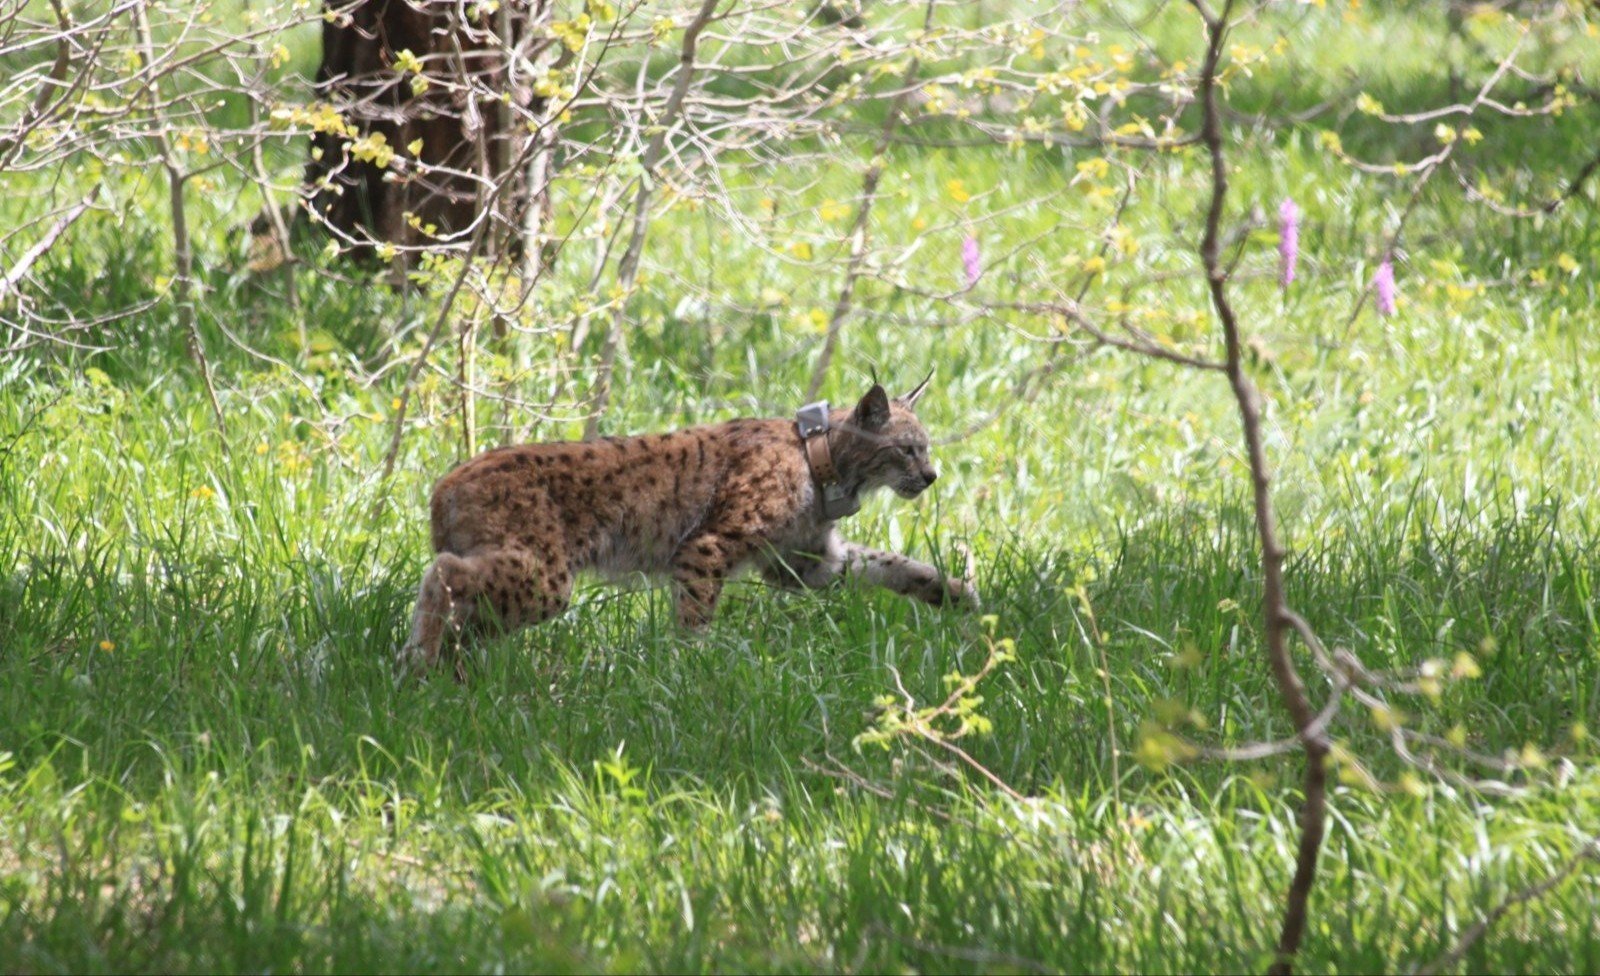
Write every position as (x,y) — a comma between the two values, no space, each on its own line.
(470,137)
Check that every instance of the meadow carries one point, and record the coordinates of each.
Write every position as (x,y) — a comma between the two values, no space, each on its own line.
(207,762)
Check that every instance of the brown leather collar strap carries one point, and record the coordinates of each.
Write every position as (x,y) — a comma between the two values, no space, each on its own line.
(821,459)
(833,501)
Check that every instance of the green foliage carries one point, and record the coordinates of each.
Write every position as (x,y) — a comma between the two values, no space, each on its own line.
(206,763)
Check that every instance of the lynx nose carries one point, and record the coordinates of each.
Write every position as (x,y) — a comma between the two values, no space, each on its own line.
(930,476)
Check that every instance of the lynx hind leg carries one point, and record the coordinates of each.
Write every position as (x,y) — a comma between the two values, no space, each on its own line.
(442,601)
(509,587)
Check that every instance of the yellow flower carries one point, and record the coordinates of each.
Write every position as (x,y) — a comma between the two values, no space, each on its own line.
(193,141)
(406,61)
(321,117)
(373,148)
(832,210)
(1387,717)
(1095,168)
(108,646)
(573,32)
(957,190)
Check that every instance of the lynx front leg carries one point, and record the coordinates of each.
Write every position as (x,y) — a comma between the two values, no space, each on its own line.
(906,576)
(807,569)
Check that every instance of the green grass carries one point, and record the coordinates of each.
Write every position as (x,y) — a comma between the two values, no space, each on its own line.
(206,763)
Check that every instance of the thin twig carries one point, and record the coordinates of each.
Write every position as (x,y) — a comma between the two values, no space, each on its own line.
(1429,167)
(24,264)
(182,250)
(858,232)
(1590,851)
(628,267)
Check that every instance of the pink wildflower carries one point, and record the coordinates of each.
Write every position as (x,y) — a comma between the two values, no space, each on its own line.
(1383,286)
(970,260)
(1288,241)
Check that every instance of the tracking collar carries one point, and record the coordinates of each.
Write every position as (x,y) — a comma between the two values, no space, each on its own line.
(833,499)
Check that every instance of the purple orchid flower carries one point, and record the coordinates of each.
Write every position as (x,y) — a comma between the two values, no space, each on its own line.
(1383,286)
(1288,241)
(970,260)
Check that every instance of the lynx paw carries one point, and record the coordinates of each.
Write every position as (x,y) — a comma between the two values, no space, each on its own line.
(963,595)
(410,661)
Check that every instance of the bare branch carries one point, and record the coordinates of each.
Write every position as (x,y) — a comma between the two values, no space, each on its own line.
(858,232)
(1275,608)
(1590,851)
(628,267)
(24,264)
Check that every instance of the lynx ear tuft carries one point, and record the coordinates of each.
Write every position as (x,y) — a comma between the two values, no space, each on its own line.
(910,399)
(872,413)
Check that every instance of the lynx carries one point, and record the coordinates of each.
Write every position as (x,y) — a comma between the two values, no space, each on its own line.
(513,525)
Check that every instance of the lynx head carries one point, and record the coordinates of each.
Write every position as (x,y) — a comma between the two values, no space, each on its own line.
(882,444)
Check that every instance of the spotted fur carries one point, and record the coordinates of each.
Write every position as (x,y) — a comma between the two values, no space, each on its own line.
(512,526)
